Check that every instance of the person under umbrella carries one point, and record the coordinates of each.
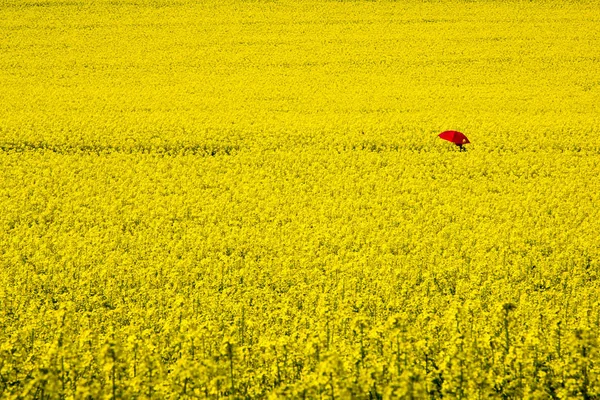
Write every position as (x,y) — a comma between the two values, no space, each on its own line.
(458,138)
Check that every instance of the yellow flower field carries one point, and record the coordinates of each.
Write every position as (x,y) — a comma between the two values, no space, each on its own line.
(248,199)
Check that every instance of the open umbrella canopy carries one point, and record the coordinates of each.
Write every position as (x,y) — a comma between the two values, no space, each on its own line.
(455,137)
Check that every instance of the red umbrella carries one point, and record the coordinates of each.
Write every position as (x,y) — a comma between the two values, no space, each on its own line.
(458,138)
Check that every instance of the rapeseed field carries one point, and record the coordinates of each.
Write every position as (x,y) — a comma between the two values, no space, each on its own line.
(248,199)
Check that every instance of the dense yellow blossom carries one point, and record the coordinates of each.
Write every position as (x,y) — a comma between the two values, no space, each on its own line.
(248,199)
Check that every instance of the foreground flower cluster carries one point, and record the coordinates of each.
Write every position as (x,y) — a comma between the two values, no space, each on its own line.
(248,199)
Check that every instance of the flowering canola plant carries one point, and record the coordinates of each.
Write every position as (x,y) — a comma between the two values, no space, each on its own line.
(249,200)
